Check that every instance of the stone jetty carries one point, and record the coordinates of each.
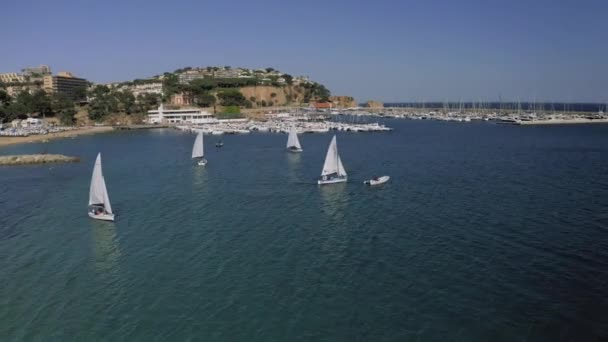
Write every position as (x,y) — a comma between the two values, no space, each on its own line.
(36,159)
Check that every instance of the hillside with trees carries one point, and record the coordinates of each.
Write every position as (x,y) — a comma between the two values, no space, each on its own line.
(224,88)
(38,104)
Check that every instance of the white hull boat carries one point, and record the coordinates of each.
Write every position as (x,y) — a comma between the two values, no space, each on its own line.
(99,202)
(103,217)
(332,180)
(333,170)
(377,180)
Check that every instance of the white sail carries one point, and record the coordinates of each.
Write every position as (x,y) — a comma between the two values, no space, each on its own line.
(197,149)
(292,140)
(341,171)
(333,164)
(98,194)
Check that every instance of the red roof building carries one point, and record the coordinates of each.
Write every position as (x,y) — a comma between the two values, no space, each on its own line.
(322,105)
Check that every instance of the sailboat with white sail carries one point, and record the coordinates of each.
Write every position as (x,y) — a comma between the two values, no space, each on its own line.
(333,170)
(99,202)
(198,151)
(293,144)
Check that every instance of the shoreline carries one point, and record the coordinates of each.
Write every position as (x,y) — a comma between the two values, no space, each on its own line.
(8,141)
(562,122)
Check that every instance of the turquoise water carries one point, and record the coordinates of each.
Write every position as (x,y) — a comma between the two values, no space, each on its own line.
(484,233)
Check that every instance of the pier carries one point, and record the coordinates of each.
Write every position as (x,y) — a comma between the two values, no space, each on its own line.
(282,126)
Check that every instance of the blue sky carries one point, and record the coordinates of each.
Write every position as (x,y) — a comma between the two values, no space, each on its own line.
(384,50)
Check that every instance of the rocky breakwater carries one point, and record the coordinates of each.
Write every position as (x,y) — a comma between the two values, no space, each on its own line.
(374,105)
(343,101)
(26,159)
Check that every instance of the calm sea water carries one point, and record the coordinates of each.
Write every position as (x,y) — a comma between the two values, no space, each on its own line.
(484,233)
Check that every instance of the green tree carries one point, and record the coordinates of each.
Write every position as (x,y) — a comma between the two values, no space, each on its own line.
(41,103)
(201,85)
(14,110)
(170,85)
(79,94)
(126,101)
(5,98)
(252,99)
(64,109)
(204,100)
(288,79)
(25,101)
(179,71)
(230,112)
(232,97)
(103,102)
(147,102)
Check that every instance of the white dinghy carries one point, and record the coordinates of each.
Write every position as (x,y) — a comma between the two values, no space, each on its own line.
(333,170)
(99,202)
(377,180)
(198,151)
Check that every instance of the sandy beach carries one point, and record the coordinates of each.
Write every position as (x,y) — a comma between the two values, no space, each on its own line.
(5,141)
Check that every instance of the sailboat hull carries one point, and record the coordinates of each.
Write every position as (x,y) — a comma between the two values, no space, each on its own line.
(295,150)
(332,180)
(102,217)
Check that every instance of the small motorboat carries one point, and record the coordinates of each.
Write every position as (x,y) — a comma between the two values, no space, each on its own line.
(377,180)
(219,144)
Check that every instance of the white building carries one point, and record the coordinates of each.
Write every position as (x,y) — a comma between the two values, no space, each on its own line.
(147,88)
(31,122)
(180,116)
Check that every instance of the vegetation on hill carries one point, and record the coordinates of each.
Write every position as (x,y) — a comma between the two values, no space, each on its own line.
(230,112)
(209,84)
(38,104)
(252,88)
(104,101)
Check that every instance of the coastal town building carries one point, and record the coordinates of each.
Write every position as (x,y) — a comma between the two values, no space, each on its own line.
(12,77)
(192,75)
(227,73)
(16,88)
(322,105)
(155,88)
(31,122)
(180,116)
(64,83)
(189,75)
(181,99)
(38,71)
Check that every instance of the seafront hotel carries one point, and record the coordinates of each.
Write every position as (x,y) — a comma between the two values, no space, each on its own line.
(64,83)
(178,116)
